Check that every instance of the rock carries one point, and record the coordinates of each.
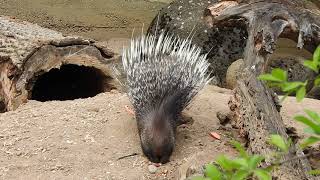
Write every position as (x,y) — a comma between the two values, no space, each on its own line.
(223,117)
(314,93)
(152,169)
(232,72)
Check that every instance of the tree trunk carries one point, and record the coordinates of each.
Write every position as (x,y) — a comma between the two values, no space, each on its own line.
(253,105)
(28,51)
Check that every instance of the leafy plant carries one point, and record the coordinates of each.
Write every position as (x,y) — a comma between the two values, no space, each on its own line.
(278,77)
(313,127)
(241,167)
(280,142)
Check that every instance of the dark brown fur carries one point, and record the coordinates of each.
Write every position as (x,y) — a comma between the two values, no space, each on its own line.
(157,129)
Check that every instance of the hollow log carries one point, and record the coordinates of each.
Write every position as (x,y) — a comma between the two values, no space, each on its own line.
(254,106)
(28,51)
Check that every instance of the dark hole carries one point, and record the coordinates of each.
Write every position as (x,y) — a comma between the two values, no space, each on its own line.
(68,83)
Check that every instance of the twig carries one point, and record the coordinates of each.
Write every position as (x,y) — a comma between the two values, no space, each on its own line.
(130,155)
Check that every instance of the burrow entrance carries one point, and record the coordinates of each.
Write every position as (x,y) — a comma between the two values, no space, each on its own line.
(70,82)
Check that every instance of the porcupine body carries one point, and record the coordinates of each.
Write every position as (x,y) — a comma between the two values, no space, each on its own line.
(164,73)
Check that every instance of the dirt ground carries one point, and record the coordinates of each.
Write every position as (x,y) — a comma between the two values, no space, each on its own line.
(97,19)
(83,139)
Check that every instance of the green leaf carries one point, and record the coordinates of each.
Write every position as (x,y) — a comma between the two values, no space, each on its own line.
(240,175)
(273,84)
(254,161)
(269,77)
(289,86)
(301,93)
(309,131)
(309,123)
(212,172)
(311,65)
(263,174)
(240,163)
(309,141)
(315,172)
(316,54)
(279,74)
(225,163)
(278,141)
(315,116)
(240,148)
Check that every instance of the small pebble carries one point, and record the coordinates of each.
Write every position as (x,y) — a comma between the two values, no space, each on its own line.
(152,169)
(223,118)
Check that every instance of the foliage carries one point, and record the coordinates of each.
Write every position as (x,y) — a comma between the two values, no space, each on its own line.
(313,127)
(247,166)
(278,141)
(278,77)
(241,167)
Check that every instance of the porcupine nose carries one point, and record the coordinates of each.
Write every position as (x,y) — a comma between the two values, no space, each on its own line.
(162,155)
(158,154)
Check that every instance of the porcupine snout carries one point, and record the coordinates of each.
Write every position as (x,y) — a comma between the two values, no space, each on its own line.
(157,135)
(157,150)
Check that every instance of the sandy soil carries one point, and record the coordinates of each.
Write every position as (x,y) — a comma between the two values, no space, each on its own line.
(97,19)
(83,139)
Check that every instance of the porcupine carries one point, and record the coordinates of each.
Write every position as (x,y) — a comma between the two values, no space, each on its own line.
(164,73)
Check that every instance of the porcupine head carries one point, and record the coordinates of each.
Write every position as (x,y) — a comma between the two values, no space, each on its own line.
(164,73)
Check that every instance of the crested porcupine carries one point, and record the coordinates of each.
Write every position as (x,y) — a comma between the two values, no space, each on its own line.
(164,73)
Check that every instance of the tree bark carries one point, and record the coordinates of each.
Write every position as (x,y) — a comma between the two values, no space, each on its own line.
(27,51)
(253,105)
